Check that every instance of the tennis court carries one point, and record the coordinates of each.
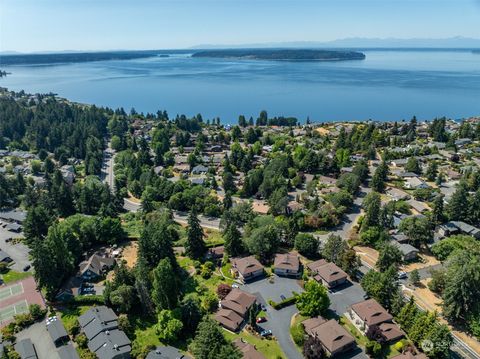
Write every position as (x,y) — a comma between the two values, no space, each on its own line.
(9,312)
(11,291)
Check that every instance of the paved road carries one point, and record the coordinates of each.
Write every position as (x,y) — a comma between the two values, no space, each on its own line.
(107,167)
(40,338)
(18,252)
(205,222)
(343,229)
(278,321)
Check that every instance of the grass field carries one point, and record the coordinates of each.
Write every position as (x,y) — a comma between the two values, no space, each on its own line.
(14,276)
(69,316)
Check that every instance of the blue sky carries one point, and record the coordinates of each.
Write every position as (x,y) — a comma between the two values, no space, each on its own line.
(51,25)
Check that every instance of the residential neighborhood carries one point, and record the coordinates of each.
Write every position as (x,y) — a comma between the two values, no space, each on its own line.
(178,237)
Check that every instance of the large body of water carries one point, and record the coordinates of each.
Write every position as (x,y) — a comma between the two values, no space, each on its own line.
(388,85)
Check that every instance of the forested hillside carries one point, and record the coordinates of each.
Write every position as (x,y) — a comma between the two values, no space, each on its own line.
(45,123)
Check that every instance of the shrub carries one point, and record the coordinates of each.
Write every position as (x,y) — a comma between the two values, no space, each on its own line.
(23,320)
(36,312)
(81,340)
(74,328)
(89,299)
(284,303)
(8,332)
(298,334)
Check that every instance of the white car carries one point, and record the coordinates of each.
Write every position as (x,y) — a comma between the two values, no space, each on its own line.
(402,275)
(235,286)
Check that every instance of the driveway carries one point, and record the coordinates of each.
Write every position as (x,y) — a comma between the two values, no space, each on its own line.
(40,338)
(18,252)
(344,296)
(278,321)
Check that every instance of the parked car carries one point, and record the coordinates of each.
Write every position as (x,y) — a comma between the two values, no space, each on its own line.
(402,275)
(283,297)
(261,319)
(26,268)
(264,308)
(266,333)
(235,286)
(366,296)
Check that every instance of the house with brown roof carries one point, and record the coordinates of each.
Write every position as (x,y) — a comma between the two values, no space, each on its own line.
(367,313)
(234,309)
(391,332)
(334,338)
(215,253)
(228,319)
(287,264)
(239,301)
(329,274)
(248,351)
(247,268)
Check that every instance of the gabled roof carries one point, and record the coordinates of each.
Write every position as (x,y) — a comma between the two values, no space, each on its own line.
(238,301)
(288,261)
(333,336)
(166,352)
(330,272)
(97,320)
(313,266)
(68,352)
(371,312)
(247,265)
(310,324)
(248,350)
(228,318)
(391,331)
(26,349)
(110,344)
(96,263)
(56,330)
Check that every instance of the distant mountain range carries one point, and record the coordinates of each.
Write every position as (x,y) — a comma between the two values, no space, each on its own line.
(361,43)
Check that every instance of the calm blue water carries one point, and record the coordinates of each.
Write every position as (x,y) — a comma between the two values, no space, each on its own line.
(388,85)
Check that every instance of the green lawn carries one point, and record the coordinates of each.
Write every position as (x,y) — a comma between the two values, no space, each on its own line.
(69,315)
(13,276)
(131,225)
(268,347)
(214,238)
(297,331)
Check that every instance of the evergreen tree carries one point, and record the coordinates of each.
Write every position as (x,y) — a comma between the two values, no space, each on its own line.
(389,255)
(437,210)
(195,246)
(371,205)
(209,343)
(456,209)
(233,240)
(165,288)
(432,171)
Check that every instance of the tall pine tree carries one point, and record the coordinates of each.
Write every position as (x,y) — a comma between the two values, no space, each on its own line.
(195,246)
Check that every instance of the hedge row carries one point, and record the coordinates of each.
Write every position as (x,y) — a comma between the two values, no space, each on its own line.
(284,303)
(88,299)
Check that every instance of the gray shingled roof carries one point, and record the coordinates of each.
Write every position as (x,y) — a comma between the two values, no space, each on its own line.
(26,349)
(56,330)
(68,352)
